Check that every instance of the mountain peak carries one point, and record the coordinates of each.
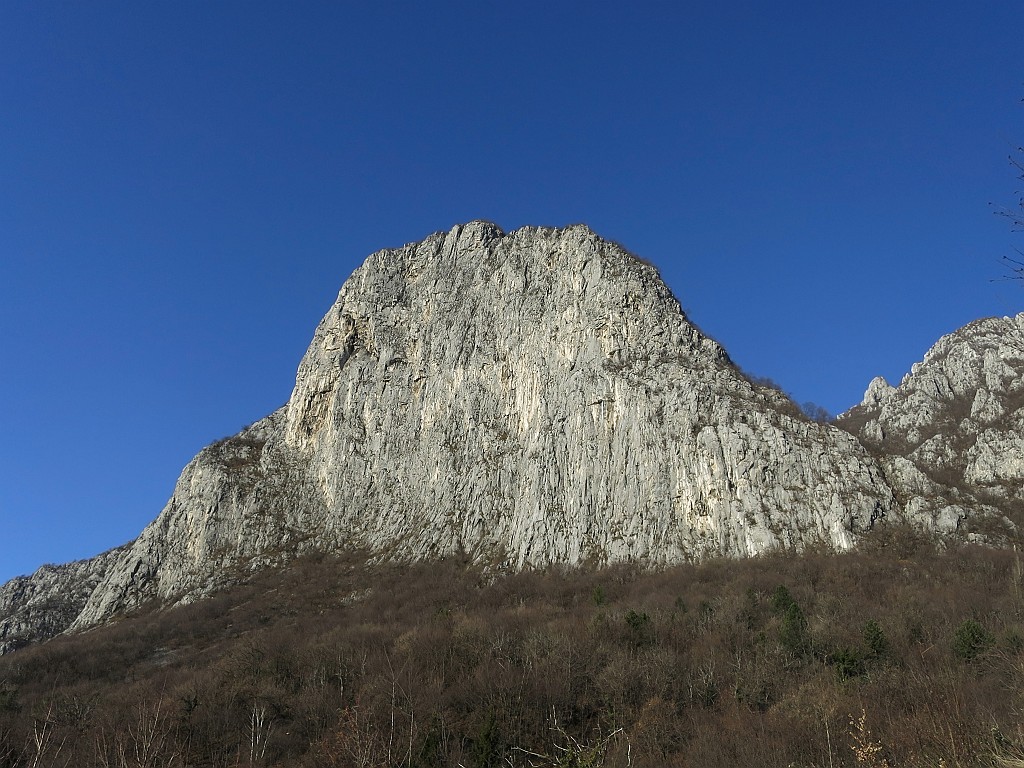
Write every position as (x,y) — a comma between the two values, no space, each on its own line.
(525,398)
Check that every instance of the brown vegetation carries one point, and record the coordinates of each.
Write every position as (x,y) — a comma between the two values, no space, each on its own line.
(898,655)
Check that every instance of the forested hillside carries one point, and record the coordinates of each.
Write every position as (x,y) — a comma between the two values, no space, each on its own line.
(898,654)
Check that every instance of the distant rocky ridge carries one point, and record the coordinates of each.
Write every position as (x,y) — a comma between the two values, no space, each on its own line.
(538,397)
(47,602)
(952,433)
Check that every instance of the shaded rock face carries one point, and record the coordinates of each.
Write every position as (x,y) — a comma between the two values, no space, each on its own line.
(241,504)
(953,430)
(525,398)
(42,605)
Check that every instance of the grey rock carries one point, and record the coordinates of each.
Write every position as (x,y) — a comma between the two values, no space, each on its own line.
(958,419)
(877,391)
(528,398)
(240,505)
(42,605)
(540,396)
(997,457)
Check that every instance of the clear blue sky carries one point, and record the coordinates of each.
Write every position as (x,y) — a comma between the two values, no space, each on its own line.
(185,185)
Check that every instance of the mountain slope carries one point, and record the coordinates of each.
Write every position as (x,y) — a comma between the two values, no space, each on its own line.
(45,603)
(953,430)
(526,398)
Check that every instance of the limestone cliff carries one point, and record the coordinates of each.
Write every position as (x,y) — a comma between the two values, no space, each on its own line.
(540,396)
(44,604)
(952,432)
(526,398)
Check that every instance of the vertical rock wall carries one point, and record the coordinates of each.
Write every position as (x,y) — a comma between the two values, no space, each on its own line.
(527,398)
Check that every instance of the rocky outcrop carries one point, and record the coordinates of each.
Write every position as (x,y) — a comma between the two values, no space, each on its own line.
(523,398)
(42,605)
(243,503)
(952,432)
(526,398)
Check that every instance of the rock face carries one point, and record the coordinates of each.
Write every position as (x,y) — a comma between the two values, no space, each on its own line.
(952,432)
(539,397)
(44,604)
(525,398)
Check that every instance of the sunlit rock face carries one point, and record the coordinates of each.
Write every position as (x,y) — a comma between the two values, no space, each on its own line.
(952,432)
(538,397)
(527,398)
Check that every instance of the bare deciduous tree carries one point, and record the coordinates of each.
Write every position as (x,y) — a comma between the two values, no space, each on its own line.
(260,726)
(45,747)
(1015,265)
